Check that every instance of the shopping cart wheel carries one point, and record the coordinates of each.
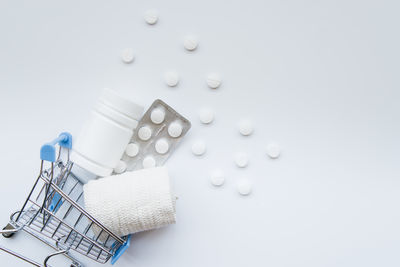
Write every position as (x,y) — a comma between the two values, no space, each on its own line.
(8,227)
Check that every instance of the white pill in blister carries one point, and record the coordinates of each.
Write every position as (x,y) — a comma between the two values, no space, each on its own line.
(149,162)
(162,146)
(206,115)
(191,42)
(144,133)
(213,80)
(132,150)
(127,55)
(151,16)
(199,148)
(245,127)
(244,187)
(273,150)
(241,159)
(171,78)
(175,129)
(217,178)
(121,167)
(157,116)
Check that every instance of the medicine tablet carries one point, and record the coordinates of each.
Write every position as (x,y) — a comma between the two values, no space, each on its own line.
(191,42)
(149,162)
(217,178)
(151,16)
(245,127)
(127,55)
(162,146)
(273,150)
(213,80)
(199,148)
(121,167)
(171,78)
(244,187)
(157,116)
(206,115)
(144,133)
(175,129)
(241,160)
(132,150)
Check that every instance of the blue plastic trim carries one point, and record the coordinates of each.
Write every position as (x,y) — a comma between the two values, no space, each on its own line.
(121,250)
(54,201)
(48,150)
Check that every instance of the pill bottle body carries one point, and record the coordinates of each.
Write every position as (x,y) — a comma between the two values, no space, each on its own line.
(104,137)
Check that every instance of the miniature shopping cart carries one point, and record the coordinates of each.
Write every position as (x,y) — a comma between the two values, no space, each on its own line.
(53,213)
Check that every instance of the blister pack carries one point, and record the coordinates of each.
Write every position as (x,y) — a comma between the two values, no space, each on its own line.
(155,138)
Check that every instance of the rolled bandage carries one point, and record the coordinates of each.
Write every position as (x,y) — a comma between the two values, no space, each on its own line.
(132,202)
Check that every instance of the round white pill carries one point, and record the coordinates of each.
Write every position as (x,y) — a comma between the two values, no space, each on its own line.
(171,78)
(151,16)
(157,116)
(191,42)
(149,162)
(175,129)
(213,80)
(121,167)
(217,178)
(199,148)
(127,55)
(144,133)
(245,127)
(132,150)
(206,115)
(273,150)
(244,187)
(162,146)
(241,160)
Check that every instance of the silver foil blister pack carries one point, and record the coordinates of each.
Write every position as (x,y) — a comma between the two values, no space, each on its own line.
(156,137)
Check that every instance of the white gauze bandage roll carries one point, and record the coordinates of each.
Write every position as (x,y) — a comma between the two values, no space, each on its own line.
(132,202)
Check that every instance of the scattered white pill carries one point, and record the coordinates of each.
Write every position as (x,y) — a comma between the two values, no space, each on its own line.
(217,178)
(171,78)
(244,187)
(151,16)
(149,162)
(144,133)
(157,116)
(273,150)
(191,42)
(241,160)
(213,80)
(245,127)
(162,146)
(175,129)
(199,148)
(127,55)
(206,115)
(132,150)
(121,167)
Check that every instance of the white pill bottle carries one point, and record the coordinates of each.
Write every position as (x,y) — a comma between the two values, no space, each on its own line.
(104,137)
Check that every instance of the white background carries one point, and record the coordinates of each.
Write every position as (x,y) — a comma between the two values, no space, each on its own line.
(319,77)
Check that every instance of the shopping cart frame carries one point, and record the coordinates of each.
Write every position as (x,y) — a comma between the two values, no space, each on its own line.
(53,213)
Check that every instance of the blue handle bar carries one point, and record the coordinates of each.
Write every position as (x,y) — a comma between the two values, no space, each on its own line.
(48,150)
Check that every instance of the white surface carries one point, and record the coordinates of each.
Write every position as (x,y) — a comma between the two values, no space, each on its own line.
(321,77)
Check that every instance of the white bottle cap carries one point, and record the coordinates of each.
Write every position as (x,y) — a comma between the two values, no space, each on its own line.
(104,138)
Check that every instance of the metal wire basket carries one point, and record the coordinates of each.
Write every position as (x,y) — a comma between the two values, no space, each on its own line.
(53,213)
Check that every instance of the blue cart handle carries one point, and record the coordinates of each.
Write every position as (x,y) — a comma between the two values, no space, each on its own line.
(48,150)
